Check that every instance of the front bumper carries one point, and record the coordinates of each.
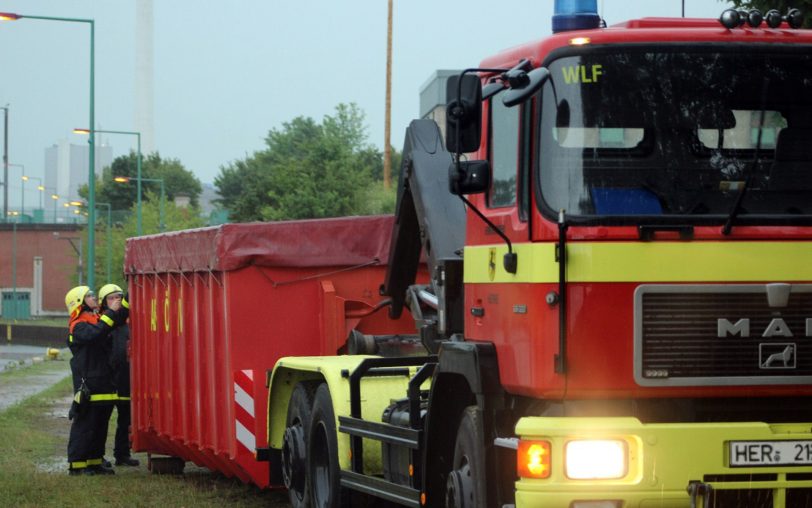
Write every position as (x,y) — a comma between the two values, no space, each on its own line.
(669,465)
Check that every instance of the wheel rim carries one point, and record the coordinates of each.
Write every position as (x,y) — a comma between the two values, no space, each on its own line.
(293,460)
(320,461)
(459,487)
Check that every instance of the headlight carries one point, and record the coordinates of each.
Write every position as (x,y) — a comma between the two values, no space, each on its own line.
(596,460)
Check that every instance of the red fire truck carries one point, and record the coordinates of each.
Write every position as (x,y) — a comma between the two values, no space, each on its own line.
(617,302)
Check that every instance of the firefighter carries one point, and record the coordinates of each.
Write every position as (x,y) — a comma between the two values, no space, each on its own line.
(94,393)
(120,364)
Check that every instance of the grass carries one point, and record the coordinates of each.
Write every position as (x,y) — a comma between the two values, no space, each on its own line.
(33,437)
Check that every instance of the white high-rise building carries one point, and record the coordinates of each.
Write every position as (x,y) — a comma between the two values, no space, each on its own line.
(66,167)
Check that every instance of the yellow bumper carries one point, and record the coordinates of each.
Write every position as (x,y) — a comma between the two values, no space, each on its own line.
(662,460)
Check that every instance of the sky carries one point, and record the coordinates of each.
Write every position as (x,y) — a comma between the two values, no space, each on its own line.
(226,73)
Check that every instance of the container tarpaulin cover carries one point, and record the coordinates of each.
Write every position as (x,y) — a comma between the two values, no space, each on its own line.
(341,241)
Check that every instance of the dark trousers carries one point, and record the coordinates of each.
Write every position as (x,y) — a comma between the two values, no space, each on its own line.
(122,445)
(88,433)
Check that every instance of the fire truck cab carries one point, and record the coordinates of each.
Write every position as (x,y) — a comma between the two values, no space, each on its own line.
(617,229)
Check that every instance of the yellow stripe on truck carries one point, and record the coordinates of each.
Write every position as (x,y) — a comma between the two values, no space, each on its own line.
(644,262)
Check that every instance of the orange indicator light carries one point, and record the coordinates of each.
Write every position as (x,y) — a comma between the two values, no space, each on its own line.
(533,459)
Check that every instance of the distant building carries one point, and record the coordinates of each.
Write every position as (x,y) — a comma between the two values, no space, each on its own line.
(66,167)
(207,196)
(48,264)
(433,97)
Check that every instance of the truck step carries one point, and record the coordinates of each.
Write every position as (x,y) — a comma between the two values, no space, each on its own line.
(379,431)
(380,488)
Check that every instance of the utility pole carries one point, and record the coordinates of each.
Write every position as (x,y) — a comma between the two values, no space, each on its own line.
(5,163)
(387,150)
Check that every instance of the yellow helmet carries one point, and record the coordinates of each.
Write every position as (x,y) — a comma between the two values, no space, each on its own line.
(107,290)
(75,298)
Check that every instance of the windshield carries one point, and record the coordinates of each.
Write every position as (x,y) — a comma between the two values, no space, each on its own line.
(658,133)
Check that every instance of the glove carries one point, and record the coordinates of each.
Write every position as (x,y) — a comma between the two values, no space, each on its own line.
(122,314)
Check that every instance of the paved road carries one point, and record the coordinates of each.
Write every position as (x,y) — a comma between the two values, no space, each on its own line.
(13,355)
(16,388)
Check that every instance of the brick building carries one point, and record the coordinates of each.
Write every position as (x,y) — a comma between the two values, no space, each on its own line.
(47,266)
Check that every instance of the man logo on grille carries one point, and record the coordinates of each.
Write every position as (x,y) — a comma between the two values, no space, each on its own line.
(782,359)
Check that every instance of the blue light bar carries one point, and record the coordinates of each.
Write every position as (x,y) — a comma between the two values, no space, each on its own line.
(575,15)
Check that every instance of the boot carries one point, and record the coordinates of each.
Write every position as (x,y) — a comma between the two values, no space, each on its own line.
(127,461)
(94,470)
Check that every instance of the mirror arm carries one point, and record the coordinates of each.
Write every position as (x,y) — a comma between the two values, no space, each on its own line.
(510,261)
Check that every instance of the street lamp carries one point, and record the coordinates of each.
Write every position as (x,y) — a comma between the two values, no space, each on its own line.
(55,197)
(91,177)
(40,187)
(126,179)
(138,223)
(77,211)
(14,267)
(5,157)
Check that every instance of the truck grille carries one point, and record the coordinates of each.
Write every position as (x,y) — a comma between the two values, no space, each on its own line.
(758,497)
(722,335)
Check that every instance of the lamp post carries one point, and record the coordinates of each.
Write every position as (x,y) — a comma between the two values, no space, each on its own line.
(55,197)
(77,211)
(40,187)
(126,179)
(5,160)
(109,239)
(14,267)
(138,222)
(22,195)
(91,178)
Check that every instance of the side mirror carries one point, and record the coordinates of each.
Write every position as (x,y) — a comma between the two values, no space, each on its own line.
(469,177)
(463,127)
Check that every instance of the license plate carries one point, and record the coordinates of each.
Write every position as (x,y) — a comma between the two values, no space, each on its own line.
(770,453)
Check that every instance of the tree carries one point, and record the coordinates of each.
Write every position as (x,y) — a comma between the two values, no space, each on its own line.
(177,180)
(782,6)
(307,170)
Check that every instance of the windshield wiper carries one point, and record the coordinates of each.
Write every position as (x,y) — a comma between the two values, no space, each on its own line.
(737,206)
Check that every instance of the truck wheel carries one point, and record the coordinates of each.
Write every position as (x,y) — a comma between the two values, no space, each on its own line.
(294,446)
(322,452)
(465,487)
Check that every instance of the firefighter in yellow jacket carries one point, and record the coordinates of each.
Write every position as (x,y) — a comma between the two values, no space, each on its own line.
(94,392)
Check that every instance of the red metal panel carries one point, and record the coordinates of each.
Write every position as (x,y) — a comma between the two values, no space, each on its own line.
(208,327)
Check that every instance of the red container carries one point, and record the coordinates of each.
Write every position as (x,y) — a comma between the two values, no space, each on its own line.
(213,309)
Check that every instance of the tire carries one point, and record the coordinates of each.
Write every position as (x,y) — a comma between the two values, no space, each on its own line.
(322,455)
(465,487)
(294,448)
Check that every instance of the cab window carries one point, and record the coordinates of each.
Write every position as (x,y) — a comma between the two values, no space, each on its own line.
(504,153)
